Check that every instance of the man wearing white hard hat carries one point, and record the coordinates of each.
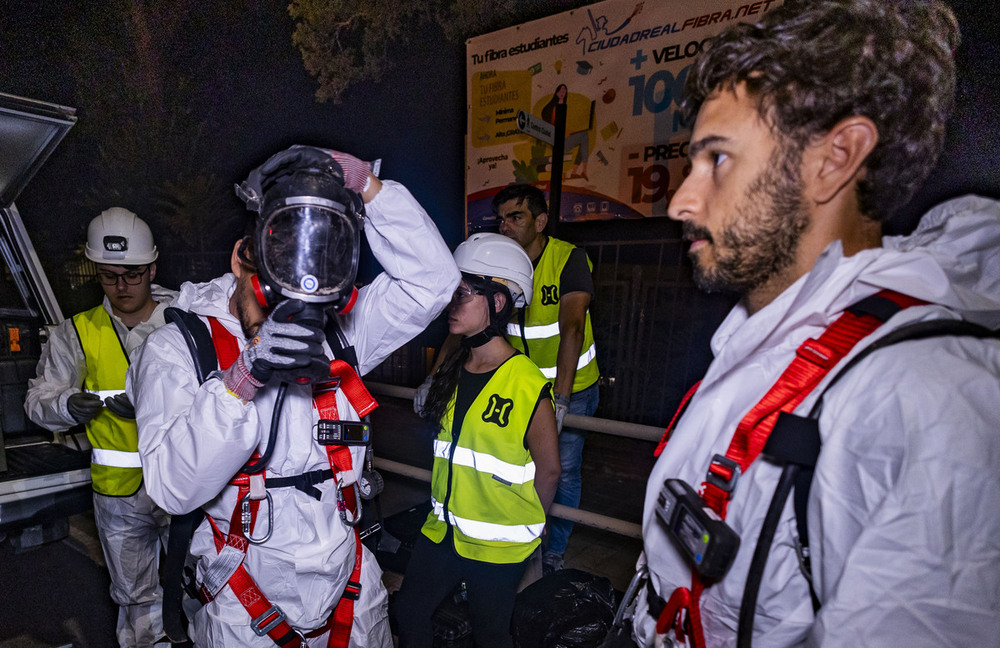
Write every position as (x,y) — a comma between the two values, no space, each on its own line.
(80,372)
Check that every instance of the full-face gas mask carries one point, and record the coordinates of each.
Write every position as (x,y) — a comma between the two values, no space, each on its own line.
(307,239)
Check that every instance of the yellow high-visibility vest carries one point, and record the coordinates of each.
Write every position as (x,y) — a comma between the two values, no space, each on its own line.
(115,468)
(541,322)
(483,481)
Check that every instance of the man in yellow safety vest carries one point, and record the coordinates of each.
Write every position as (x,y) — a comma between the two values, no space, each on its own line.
(83,365)
(556,333)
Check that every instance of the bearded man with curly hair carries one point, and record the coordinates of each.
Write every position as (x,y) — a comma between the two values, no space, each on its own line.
(811,128)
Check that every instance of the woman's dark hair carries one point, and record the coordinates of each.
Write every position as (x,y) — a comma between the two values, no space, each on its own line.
(446,378)
(549,110)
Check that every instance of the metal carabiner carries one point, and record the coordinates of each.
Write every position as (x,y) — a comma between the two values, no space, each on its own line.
(342,505)
(628,601)
(247,519)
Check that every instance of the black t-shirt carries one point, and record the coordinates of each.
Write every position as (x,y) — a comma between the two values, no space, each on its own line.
(575,275)
(469,386)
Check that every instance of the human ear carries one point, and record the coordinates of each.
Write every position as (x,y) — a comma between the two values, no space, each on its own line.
(234,260)
(541,221)
(840,156)
(152,271)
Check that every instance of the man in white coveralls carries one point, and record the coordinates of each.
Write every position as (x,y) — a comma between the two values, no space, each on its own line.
(812,128)
(311,582)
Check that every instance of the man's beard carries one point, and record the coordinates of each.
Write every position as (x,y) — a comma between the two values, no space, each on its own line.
(762,239)
(245,301)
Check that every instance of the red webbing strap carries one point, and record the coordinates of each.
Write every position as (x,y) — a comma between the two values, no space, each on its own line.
(813,361)
(343,615)
(226,347)
(341,461)
(673,421)
(261,611)
(242,585)
(357,394)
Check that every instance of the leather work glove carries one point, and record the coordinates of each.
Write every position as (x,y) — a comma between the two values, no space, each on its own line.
(562,406)
(420,396)
(83,406)
(283,350)
(121,405)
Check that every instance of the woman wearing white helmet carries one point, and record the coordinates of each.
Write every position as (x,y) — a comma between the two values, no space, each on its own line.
(496,455)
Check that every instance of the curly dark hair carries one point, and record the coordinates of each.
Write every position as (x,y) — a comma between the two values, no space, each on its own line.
(811,63)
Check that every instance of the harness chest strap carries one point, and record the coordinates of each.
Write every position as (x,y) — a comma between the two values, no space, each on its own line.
(267,618)
(813,360)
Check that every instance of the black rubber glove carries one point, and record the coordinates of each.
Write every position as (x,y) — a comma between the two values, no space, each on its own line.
(121,405)
(296,158)
(287,348)
(83,406)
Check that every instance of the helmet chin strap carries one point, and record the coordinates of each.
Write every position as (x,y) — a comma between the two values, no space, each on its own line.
(479,339)
(491,331)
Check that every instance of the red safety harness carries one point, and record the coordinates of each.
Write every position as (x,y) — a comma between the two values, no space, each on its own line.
(267,618)
(813,360)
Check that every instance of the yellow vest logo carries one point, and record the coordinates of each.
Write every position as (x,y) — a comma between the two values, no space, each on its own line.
(498,410)
(550,295)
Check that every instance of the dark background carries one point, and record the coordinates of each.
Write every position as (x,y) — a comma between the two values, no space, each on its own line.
(226,88)
(245,81)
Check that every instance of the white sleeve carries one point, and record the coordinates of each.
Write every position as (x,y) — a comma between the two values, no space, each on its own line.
(61,370)
(419,277)
(907,523)
(192,438)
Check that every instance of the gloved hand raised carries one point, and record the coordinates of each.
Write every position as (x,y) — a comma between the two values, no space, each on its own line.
(351,170)
(283,349)
(83,406)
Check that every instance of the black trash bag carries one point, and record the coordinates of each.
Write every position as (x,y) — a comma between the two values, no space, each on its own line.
(566,609)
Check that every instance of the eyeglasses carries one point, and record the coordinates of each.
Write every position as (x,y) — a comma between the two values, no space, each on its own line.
(130,277)
(462,296)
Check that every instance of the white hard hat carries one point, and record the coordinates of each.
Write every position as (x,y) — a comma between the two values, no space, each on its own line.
(495,256)
(119,237)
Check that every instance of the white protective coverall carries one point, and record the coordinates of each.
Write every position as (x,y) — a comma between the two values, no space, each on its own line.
(131,529)
(904,509)
(193,438)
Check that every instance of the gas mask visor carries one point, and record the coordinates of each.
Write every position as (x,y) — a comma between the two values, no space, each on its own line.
(308,248)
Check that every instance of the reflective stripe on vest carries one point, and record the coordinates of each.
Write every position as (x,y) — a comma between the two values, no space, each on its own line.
(115,458)
(486,463)
(104,393)
(489,530)
(541,326)
(114,466)
(483,481)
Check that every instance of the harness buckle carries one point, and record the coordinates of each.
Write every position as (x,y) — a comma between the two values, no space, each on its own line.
(352,591)
(268,621)
(246,517)
(723,473)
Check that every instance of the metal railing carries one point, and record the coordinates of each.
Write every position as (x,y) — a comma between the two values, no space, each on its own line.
(589,423)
